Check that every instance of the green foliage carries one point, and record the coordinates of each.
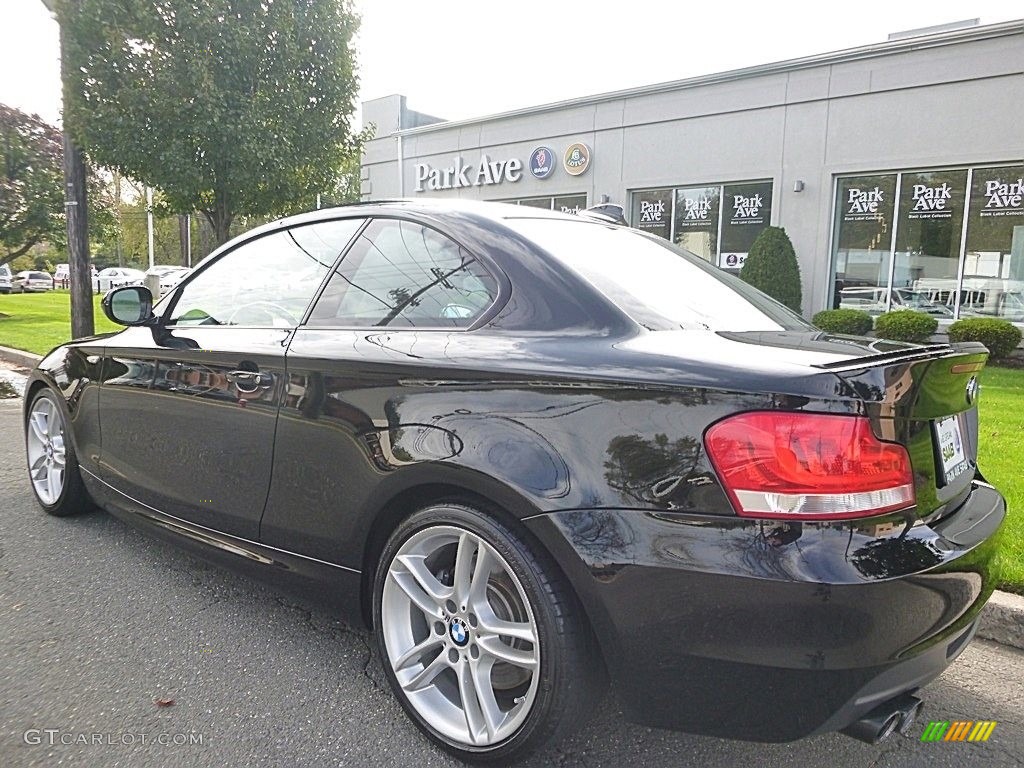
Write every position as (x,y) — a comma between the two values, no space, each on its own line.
(905,325)
(32,190)
(1000,336)
(31,183)
(228,106)
(771,266)
(850,321)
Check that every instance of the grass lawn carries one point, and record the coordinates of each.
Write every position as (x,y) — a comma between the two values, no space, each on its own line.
(1001,458)
(38,322)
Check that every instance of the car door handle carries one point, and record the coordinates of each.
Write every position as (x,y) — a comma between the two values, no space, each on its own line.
(250,381)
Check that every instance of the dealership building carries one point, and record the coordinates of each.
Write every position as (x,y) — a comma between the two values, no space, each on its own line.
(897,169)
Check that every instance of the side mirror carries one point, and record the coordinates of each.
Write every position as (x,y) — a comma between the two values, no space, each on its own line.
(129,305)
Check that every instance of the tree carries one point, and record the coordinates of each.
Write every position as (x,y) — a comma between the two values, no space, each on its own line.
(228,106)
(771,266)
(31,184)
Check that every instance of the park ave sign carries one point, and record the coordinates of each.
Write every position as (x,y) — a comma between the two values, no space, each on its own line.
(459,175)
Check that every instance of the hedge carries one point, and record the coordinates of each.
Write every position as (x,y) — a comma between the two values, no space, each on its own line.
(771,266)
(854,322)
(1000,336)
(905,325)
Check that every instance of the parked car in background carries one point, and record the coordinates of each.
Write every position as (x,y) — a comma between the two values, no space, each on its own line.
(874,300)
(31,281)
(62,276)
(116,277)
(535,450)
(5,278)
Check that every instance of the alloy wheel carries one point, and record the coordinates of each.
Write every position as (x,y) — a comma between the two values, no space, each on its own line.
(460,635)
(46,451)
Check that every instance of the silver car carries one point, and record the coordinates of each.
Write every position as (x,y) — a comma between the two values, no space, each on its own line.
(31,281)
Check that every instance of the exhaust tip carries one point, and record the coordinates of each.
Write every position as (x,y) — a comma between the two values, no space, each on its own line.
(910,714)
(880,723)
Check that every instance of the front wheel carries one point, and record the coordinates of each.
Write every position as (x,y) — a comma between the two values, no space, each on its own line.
(481,639)
(52,464)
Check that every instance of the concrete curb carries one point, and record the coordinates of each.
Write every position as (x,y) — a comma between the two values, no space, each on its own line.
(19,358)
(1002,620)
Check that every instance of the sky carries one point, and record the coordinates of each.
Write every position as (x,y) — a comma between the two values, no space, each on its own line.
(458,58)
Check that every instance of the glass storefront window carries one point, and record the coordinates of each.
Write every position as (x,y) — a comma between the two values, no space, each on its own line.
(718,222)
(863,242)
(746,211)
(652,212)
(993,284)
(928,231)
(562,203)
(956,237)
(569,204)
(695,222)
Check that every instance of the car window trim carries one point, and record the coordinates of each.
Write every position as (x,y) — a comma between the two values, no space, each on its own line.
(177,290)
(497,274)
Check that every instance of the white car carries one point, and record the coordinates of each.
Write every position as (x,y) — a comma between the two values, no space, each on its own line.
(115,277)
(31,281)
(5,278)
(62,276)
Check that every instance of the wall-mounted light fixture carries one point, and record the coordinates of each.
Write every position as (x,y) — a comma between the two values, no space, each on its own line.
(798,185)
(605,199)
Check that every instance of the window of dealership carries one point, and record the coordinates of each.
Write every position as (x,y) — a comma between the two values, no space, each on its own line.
(718,222)
(562,203)
(946,241)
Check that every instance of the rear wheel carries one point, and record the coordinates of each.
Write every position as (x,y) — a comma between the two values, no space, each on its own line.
(52,464)
(481,640)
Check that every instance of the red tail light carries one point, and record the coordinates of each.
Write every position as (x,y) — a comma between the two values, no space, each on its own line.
(779,464)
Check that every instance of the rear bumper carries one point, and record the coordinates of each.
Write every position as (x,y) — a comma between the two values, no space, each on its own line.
(754,630)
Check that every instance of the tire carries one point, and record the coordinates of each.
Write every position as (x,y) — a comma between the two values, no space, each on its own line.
(531,701)
(59,491)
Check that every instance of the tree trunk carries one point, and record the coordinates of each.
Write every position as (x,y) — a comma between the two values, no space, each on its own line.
(183,238)
(220,218)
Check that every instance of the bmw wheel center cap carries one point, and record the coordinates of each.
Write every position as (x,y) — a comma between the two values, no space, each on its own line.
(459,632)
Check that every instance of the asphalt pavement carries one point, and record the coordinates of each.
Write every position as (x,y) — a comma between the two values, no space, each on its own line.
(99,622)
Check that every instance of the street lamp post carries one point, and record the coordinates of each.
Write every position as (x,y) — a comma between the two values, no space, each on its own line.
(82,322)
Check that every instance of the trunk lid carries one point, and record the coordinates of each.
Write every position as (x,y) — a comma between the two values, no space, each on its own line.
(925,398)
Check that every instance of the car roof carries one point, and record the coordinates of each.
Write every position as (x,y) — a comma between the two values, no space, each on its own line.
(496,212)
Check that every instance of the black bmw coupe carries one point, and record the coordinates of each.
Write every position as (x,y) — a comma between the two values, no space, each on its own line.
(541,455)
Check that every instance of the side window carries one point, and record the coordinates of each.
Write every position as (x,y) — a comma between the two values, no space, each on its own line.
(402,274)
(265,282)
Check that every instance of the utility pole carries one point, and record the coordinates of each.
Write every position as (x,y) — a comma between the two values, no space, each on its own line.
(149,223)
(75,207)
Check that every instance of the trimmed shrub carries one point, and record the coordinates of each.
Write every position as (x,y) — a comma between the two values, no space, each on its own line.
(905,325)
(1000,336)
(854,322)
(771,267)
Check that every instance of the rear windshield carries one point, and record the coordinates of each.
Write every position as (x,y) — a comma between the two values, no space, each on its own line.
(658,284)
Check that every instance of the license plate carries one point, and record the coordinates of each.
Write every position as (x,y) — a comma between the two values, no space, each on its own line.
(951,448)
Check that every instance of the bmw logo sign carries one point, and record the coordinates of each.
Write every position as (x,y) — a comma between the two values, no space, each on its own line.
(973,389)
(459,632)
(542,163)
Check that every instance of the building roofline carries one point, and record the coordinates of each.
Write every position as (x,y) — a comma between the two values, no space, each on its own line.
(887,47)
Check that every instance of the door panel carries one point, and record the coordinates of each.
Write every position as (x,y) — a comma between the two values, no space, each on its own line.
(179,435)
